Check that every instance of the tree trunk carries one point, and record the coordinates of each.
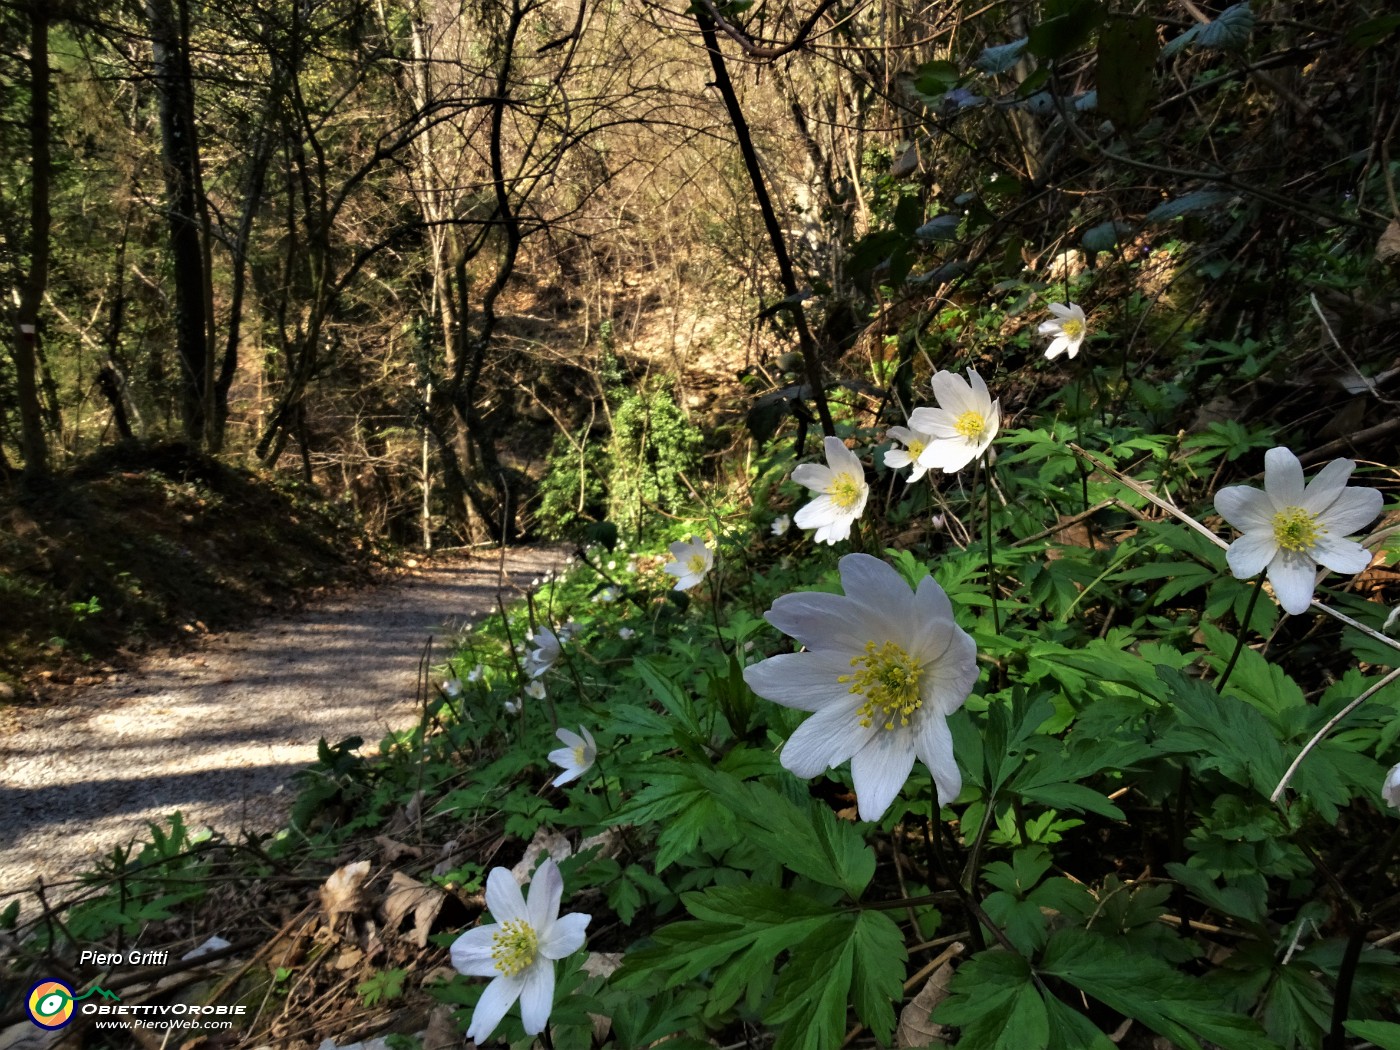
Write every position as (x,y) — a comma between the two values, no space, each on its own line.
(33,438)
(175,88)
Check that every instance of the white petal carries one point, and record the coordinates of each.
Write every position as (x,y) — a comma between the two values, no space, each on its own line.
(1059,346)
(568,775)
(826,740)
(880,769)
(1249,554)
(839,457)
(1293,577)
(1326,485)
(562,756)
(820,621)
(933,743)
(1390,790)
(1064,311)
(499,996)
(503,897)
(879,592)
(981,396)
(803,681)
(931,603)
(897,457)
(1283,477)
(546,891)
(569,737)
(537,996)
(1246,509)
(948,682)
(471,952)
(814,476)
(565,937)
(1352,511)
(1344,556)
(902,434)
(934,422)
(953,393)
(834,532)
(951,456)
(820,513)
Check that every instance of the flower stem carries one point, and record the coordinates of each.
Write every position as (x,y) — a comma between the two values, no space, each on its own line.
(1244,629)
(991,562)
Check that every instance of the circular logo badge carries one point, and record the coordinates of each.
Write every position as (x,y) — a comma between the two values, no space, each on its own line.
(50,1004)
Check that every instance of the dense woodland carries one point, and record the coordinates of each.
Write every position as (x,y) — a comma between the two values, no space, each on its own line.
(655,277)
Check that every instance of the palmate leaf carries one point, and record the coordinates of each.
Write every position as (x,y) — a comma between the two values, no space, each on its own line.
(994,1002)
(1223,733)
(1149,990)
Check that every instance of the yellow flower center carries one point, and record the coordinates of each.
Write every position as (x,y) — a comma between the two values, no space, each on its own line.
(696,564)
(970,425)
(1296,530)
(844,491)
(513,947)
(889,680)
(916,448)
(1073,327)
(580,755)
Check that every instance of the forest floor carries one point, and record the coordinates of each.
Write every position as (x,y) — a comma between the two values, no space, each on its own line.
(217,729)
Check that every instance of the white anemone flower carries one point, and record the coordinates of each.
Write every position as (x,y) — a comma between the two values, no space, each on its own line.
(519,949)
(577,757)
(962,426)
(626,633)
(1069,329)
(535,689)
(1289,528)
(882,669)
(842,493)
(781,524)
(915,441)
(692,561)
(1390,790)
(475,674)
(546,653)
(452,687)
(511,707)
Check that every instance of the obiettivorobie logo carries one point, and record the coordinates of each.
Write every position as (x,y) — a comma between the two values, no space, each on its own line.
(50,1003)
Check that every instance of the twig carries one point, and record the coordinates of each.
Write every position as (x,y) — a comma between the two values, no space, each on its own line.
(1331,724)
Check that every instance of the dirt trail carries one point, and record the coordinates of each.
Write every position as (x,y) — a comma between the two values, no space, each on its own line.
(217,731)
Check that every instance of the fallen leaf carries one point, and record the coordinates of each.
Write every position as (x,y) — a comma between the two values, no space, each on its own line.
(915,1026)
(407,896)
(1388,247)
(344,892)
(546,843)
(394,849)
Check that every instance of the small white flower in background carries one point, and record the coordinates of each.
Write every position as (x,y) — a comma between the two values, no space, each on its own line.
(882,668)
(547,651)
(1289,528)
(607,595)
(841,489)
(626,633)
(1069,329)
(519,949)
(914,443)
(1390,790)
(962,426)
(535,689)
(512,707)
(452,687)
(576,757)
(692,561)
(475,674)
(781,524)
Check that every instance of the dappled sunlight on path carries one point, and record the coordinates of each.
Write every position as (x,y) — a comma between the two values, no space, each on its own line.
(217,731)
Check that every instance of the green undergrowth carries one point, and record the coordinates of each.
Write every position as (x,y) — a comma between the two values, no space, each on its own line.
(140,544)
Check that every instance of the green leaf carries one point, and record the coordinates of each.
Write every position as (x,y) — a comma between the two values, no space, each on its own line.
(1230,30)
(936,77)
(1126,60)
(1222,733)
(997,60)
(1066,30)
(810,998)
(1384,1034)
(1369,34)
(1145,988)
(670,696)
(990,1000)
(1105,236)
(1199,200)
(879,972)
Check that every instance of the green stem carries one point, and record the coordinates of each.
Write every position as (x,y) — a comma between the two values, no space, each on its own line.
(1239,640)
(991,561)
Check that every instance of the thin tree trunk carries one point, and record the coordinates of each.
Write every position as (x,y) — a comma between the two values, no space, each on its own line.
(33,439)
(181,156)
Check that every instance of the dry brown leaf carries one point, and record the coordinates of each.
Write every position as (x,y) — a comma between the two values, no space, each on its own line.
(442,1034)
(409,896)
(546,843)
(344,892)
(1388,247)
(394,849)
(915,1027)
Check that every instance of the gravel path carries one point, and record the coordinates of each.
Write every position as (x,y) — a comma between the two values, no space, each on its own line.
(217,731)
